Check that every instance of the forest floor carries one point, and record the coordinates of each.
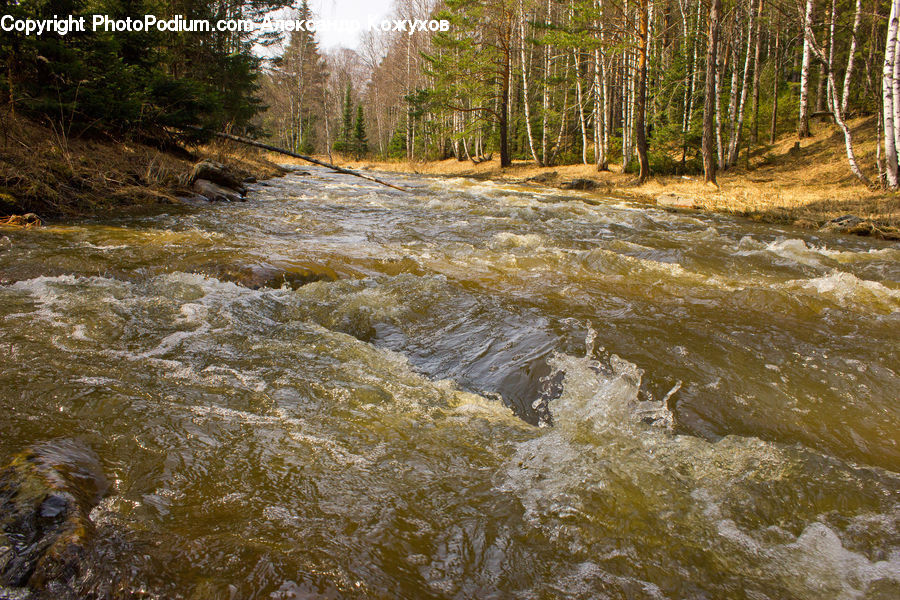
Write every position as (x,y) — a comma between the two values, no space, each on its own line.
(44,171)
(780,183)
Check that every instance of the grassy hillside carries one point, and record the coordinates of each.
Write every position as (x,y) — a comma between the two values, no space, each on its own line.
(805,185)
(45,172)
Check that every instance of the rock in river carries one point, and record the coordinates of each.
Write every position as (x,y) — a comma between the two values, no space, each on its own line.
(268,276)
(46,495)
(579,184)
(670,200)
(857,226)
(216,193)
(217,173)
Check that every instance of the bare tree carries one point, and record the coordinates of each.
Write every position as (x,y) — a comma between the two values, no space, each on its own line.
(848,73)
(889,96)
(803,129)
(709,163)
(522,40)
(835,105)
(641,96)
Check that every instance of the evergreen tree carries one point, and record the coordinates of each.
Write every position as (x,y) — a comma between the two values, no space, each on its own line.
(471,65)
(137,83)
(345,142)
(360,142)
(299,76)
(397,145)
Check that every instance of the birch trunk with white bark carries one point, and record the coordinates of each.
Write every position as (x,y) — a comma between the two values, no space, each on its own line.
(887,88)
(803,128)
(848,74)
(736,133)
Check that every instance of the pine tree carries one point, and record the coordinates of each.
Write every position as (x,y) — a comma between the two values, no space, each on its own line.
(301,70)
(360,142)
(345,143)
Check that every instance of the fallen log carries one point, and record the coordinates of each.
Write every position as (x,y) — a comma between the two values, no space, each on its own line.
(249,142)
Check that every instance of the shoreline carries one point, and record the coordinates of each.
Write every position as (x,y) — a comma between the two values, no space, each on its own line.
(47,175)
(875,213)
(805,184)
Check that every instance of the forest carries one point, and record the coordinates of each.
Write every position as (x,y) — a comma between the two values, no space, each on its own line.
(656,86)
(664,86)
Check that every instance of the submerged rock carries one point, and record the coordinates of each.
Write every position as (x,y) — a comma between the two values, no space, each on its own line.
(216,193)
(670,200)
(266,276)
(854,225)
(543,177)
(194,200)
(848,224)
(579,184)
(46,495)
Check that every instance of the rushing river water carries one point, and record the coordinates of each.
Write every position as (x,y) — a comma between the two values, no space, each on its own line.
(490,392)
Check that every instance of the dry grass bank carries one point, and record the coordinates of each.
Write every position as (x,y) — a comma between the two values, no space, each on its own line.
(805,186)
(43,171)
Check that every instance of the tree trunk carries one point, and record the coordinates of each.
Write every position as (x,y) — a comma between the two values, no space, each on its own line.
(607,115)
(896,83)
(733,95)
(11,75)
(505,160)
(545,104)
(803,128)
(325,113)
(890,60)
(754,132)
(640,106)
(562,116)
(736,137)
(600,101)
(776,75)
(828,91)
(525,88)
(695,71)
(709,163)
(835,106)
(685,124)
(720,74)
(820,90)
(848,74)
(581,118)
(409,125)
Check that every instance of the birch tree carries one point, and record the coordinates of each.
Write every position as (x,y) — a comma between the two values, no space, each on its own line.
(641,95)
(835,104)
(803,128)
(848,73)
(523,41)
(709,163)
(889,96)
(736,130)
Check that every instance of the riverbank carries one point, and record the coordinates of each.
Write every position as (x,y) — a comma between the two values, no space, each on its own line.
(43,171)
(806,185)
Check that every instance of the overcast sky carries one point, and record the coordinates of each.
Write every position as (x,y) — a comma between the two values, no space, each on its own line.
(360,10)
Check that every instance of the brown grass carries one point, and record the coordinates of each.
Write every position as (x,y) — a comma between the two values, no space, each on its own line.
(779,183)
(43,171)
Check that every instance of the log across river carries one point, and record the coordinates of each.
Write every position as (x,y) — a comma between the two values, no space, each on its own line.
(481,391)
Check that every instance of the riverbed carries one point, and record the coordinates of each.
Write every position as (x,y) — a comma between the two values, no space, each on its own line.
(482,391)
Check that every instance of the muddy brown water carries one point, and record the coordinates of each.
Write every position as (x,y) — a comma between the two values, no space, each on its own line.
(486,391)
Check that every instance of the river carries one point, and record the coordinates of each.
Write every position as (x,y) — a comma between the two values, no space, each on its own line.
(484,391)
